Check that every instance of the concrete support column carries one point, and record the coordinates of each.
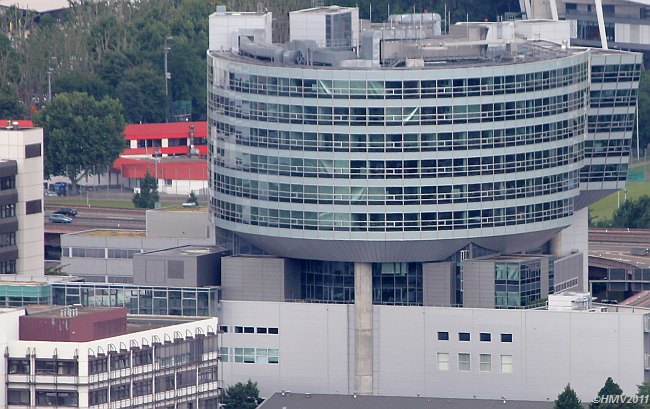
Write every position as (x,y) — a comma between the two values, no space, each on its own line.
(363,347)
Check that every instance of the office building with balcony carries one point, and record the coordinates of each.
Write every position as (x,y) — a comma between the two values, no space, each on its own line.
(97,357)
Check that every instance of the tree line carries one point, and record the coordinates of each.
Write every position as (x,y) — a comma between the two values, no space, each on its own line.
(114,48)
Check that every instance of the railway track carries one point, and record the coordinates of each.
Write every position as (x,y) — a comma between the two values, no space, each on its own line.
(641,236)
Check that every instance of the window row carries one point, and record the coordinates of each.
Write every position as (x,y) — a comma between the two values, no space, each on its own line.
(177,353)
(398,116)
(400,142)
(603,173)
(144,387)
(7,182)
(613,98)
(429,221)
(100,252)
(466,336)
(565,285)
(238,329)
(249,355)
(408,89)
(8,267)
(7,239)
(464,362)
(611,123)
(615,72)
(400,169)
(607,147)
(8,210)
(397,195)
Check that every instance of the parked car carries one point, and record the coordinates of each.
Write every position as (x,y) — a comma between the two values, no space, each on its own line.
(67,211)
(59,218)
(49,193)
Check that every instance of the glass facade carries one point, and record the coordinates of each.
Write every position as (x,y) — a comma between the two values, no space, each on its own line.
(611,120)
(517,284)
(332,281)
(369,155)
(20,295)
(147,300)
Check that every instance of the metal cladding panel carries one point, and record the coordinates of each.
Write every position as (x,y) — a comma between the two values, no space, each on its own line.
(394,251)
(87,326)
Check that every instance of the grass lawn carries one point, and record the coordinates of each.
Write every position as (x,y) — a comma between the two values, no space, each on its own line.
(604,208)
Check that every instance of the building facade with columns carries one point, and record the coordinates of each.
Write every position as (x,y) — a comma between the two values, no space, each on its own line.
(404,167)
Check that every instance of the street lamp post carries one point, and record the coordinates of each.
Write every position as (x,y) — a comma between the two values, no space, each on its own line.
(49,84)
(166,49)
(50,70)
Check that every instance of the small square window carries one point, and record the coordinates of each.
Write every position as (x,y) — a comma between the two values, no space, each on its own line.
(443,336)
(486,337)
(239,330)
(463,336)
(224,328)
(249,330)
(261,330)
(506,337)
(273,331)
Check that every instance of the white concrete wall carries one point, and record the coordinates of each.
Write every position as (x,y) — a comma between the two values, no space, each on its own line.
(307,26)
(312,344)
(223,26)
(549,349)
(29,184)
(9,324)
(575,238)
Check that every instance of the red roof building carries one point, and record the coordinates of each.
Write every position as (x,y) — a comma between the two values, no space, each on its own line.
(22,123)
(172,138)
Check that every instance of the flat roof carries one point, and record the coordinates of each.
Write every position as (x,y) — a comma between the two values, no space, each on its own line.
(323,10)
(110,233)
(54,311)
(201,209)
(292,400)
(190,250)
(526,52)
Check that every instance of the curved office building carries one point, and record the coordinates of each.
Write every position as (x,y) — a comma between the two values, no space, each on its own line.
(404,151)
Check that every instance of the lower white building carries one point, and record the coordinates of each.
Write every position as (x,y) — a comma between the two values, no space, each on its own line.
(437,352)
(94,358)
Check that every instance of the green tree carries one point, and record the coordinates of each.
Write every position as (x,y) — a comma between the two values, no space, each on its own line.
(568,399)
(610,389)
(10,67)
(192,199)
(644,110)
(83,136)
(148,195)
(633,213)
(242,396)
(644,395)
(142,92)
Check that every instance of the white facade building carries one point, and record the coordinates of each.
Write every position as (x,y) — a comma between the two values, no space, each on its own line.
(25,146)
(436,352)
(153,364)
